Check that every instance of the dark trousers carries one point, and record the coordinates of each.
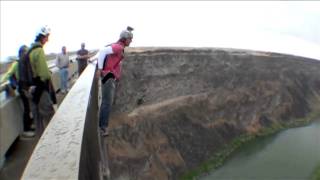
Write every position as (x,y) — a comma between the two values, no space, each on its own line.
(82,64)
(42,112)
(107,92)
(27,121)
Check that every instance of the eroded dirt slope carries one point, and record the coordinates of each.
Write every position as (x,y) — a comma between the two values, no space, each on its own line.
(176,107)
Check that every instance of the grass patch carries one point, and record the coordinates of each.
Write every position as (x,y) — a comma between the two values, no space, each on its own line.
(316,174)
(221,156)
(218,159)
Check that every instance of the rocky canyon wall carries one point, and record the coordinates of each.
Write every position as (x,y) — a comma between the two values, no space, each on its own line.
(176,107)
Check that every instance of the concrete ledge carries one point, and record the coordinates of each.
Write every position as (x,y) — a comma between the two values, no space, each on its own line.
(2,159)
(10,124)
(68,148)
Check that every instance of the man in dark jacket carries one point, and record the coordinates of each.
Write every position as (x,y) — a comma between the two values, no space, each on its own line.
(82,58)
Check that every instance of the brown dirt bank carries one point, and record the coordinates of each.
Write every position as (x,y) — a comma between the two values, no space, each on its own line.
(176,107)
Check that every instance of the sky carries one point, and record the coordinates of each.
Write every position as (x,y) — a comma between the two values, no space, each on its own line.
(290,27)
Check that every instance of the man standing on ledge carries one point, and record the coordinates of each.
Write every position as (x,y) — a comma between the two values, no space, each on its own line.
(82,58)
(109,69)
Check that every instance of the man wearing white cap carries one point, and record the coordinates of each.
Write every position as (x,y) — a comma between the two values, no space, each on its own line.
(109,69)
(42,89)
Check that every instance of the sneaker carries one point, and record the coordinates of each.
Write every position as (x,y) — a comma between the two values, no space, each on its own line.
(104,131)
(28,134)
(55,107)
(33,127)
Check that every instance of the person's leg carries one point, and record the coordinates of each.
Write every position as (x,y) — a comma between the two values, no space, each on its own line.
(107,92)
(37,119)
(27,121)
(66,78)
(46,109)
(42,112)
(81,66)
(61,73)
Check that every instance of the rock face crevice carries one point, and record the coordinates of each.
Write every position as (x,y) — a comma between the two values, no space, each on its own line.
(176,107)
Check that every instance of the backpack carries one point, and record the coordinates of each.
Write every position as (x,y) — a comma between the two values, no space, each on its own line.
(25,69)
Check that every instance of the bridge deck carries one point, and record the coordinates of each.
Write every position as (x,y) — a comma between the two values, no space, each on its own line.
(19,153)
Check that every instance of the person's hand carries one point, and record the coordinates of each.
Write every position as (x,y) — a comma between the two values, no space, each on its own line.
(31,89)
(98,73)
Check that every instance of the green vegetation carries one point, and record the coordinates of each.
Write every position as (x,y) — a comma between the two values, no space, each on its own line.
(220,157)
(316,173)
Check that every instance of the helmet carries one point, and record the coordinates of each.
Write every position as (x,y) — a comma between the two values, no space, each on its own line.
(125,34)
(45,30)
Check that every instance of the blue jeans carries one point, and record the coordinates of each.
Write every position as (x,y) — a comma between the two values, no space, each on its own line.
(107,92)
(64,73)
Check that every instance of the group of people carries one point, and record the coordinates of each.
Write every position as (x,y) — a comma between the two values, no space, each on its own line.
(39,98)
(33,78)
(63,61)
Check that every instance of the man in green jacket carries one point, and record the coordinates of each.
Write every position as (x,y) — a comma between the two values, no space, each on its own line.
(43,92)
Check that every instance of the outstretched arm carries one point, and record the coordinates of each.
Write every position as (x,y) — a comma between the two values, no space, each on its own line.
(12,70)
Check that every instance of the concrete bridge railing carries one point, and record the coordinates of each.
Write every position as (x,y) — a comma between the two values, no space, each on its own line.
(11,109)
(69,147)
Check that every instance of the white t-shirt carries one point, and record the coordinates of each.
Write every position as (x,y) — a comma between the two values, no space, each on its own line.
(102,54)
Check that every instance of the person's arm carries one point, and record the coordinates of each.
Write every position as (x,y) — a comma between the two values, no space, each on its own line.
(101,57)
(78,55)
(12,70)
(42,70)
(85,56)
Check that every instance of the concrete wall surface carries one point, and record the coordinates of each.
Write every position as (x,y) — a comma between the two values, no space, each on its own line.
(68,148)
(10,124)
(11,110)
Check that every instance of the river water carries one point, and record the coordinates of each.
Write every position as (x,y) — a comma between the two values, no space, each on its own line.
(293,154)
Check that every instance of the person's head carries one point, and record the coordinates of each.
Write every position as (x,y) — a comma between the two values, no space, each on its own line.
(22,51)
(43,35)
(64,49)
(126,36)
(83,45)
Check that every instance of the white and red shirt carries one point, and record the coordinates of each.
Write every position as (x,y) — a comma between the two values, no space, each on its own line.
(109,60)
